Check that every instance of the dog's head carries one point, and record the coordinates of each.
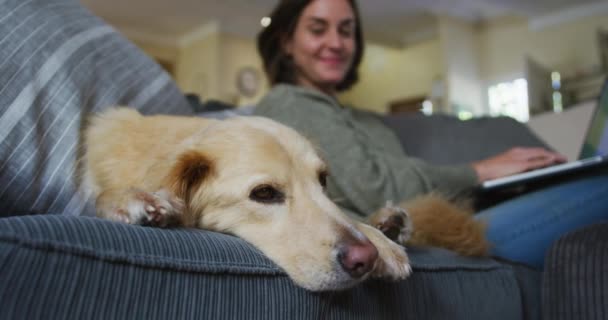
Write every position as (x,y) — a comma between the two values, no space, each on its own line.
(261,181)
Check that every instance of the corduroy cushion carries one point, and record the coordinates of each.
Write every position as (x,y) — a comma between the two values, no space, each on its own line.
(58,63)
(59,267)
(575,281)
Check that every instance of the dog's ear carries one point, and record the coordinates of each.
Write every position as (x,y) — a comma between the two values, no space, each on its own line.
(188,173)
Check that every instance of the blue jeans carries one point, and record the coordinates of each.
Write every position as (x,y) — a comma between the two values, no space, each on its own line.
(523,228)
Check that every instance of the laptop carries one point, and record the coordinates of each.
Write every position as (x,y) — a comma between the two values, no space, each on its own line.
(594,154)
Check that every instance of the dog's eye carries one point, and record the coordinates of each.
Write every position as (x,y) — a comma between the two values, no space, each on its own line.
(267,194)
(323,178)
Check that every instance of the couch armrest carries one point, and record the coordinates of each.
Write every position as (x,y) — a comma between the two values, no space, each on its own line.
(575,281)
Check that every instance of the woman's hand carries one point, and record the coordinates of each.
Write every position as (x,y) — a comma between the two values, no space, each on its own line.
(515,160)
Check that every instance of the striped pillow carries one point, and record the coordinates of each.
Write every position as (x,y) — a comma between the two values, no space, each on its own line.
(58,63)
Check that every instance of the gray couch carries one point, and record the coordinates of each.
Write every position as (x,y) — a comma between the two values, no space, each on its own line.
(59,63)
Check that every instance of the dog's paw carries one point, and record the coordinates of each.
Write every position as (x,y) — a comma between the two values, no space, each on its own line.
(394,222)
(156,209)
(393,262)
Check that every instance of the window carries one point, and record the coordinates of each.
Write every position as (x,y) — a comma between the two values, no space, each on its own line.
(510,99)
(556,84)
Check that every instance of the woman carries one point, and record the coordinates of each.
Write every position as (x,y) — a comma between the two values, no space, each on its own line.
(311,51)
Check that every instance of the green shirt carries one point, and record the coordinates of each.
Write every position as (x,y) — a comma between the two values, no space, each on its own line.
(366,161)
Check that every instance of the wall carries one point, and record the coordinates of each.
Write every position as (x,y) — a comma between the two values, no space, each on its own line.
(198,67)
(565,47)
(388,74)
(208,64)
(164,52)
(469,58)
(461,54)
(237,53)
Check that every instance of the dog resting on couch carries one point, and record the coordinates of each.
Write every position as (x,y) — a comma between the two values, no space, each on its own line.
(259,180)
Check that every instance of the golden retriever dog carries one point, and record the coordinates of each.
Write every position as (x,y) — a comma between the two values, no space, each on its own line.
(246,176)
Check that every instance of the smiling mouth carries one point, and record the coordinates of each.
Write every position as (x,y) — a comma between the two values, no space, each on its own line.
(332,61)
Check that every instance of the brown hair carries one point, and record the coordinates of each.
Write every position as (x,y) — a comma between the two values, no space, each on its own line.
(279,66)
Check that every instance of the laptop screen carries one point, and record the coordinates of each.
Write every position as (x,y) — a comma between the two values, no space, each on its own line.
(596,142)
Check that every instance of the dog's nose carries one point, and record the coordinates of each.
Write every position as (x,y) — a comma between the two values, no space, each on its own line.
(358,258)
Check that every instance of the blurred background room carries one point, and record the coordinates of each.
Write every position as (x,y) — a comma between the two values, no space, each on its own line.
(529,60)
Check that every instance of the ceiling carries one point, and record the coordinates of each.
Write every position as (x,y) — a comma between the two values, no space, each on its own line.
(391,22)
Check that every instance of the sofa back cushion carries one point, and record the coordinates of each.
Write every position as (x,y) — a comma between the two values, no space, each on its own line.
(59,63)
(443,139)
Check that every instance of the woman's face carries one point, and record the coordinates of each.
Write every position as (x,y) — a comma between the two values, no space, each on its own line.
(323,44)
